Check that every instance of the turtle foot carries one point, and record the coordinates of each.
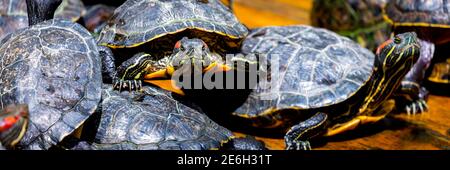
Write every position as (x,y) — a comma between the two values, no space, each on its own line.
(131,85)
(297,145)
(416,107)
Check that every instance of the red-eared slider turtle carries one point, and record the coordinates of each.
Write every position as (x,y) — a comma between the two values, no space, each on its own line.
(155,27)
(13,121)
(361,20)
(431,21)
(13,14)
(326,82)
(54,67)
(153,120)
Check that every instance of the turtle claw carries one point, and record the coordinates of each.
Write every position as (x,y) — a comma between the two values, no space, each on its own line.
(298,145)
(131,85)
(417,107)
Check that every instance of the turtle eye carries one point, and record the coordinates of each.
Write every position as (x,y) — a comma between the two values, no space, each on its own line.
(397,40)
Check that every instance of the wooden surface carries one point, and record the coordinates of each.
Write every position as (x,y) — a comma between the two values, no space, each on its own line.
(428,131)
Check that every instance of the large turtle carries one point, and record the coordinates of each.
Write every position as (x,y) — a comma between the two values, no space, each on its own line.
(54,67)
(323,83)
(431,21)
(361,20)
(13,14)
(154,120)
(158,27)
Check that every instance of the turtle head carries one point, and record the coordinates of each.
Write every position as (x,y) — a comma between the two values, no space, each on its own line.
(394,59)
(402,50)
(194,53)
(13,124)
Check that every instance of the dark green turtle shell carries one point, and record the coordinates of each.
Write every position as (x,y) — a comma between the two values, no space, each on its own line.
(434,13)
(154,122)
(317,68)
(54,68)
(360,20)
(13,14)
(139,21)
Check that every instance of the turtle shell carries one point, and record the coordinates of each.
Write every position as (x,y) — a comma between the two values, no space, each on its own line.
(139,21)
(54,68)
(314,68)
(434,13)
(13,13)
(156,122)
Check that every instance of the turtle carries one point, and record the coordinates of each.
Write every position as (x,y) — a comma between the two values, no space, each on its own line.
(54,67)
(361,20)
(154,120)
(431,21)
(13,14)
(320,83)
(156,38)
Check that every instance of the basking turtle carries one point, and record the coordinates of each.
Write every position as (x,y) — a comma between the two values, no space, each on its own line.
(13,121)
(13,14)
(431,21)
(153,120)
(361,20)
(326,82)
(54,68)
(149,35)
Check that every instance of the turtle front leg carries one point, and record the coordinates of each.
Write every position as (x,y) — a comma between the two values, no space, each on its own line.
(297,138)
(132,72)
(412,97)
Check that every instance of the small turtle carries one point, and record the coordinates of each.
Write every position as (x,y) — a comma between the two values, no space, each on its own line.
(153,120)
(431,21)
(326,82)
(361,20)
(13,14)
(13,121)
(54,67)
(150,35)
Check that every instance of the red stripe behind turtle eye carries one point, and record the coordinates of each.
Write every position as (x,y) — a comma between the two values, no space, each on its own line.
(8,122)
(382,46)
(178,44)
